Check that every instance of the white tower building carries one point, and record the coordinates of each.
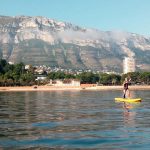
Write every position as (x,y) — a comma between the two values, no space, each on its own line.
(128,65)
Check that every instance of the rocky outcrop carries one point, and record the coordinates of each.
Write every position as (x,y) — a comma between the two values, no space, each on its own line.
(39,40)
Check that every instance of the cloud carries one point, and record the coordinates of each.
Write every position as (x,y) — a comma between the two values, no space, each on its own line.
(118,35)
(92,34)
(79,35)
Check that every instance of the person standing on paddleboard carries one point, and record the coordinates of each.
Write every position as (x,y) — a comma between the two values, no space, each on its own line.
(125,87)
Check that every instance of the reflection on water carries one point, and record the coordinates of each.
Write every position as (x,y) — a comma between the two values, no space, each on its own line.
(73,120)
(129,114)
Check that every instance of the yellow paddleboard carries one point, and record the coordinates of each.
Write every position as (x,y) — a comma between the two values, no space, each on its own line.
(129,100)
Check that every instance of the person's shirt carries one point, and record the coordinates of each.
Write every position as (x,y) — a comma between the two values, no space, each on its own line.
(126,84)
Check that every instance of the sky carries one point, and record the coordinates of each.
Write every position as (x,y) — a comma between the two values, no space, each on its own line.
(105,15)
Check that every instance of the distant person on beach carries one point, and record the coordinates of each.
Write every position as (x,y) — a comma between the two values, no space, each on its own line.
(125,87)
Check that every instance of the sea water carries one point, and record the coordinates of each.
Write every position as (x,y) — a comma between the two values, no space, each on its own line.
(73,120)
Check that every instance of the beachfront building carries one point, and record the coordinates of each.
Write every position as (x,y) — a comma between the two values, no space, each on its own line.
(128,65)
(65,82)
(40,77)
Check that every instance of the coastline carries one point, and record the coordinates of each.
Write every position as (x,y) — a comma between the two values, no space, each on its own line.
(67,88)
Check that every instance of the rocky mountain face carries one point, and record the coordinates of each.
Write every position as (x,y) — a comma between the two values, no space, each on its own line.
(43,41)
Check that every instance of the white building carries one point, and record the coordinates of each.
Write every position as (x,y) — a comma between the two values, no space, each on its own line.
(27,67)
(11,63)
(128,65)
(65,82)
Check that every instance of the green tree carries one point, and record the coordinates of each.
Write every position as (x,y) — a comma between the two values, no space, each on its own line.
(110,79)
(145,77)
(27,79)
(19,69)
(56,75)
(88,77)
(69,76)
(3,63)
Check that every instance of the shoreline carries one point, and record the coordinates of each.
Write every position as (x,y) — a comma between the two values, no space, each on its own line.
(67,88)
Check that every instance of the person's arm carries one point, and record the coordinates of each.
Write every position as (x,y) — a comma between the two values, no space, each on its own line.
(123,82)
(129,78)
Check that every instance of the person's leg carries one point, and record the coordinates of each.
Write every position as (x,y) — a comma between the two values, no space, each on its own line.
(128,93)
(124,93)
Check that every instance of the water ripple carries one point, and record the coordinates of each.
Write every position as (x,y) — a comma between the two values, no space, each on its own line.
(73,120)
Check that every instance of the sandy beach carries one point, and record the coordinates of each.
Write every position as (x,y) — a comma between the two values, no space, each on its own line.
(82,87)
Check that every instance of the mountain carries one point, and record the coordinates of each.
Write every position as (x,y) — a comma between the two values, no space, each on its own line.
(43,41)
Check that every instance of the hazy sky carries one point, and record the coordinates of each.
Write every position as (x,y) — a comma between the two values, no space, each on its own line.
(123,15)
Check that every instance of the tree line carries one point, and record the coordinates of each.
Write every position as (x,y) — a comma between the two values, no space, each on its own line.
(16,75)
